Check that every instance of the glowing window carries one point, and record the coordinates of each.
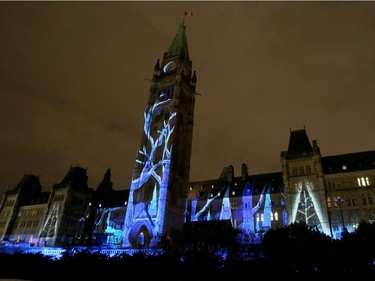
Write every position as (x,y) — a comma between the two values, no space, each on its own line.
(191,188)
(329,202)
(233,192)
(363,181)
(276,216)
(344,167)
(271,216)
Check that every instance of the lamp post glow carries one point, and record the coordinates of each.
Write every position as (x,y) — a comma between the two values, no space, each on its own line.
(339,202)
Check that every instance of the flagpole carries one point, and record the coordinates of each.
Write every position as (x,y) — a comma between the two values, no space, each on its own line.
(186,13)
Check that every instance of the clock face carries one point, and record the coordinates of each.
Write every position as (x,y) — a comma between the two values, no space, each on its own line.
(170,66)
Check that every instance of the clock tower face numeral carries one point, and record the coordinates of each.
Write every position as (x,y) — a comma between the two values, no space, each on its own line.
(170,66)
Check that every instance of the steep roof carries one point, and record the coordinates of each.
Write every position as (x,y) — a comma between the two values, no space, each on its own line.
(299,142)
(28,183)
(106,184)
(253,185)
(179,45)
(349,162)
(76,178)
(29,190)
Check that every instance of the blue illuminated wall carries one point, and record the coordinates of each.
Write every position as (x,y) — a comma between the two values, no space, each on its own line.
(253,204)
(149,186)
(108,226)
(158,191)
(307,207)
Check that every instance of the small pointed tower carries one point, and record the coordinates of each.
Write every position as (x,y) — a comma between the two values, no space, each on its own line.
(158,191)
(304,182)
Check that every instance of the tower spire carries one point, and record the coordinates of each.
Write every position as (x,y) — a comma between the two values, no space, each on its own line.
(157,196)
(179,45)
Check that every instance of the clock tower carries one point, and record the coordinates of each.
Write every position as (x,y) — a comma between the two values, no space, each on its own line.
(160,179)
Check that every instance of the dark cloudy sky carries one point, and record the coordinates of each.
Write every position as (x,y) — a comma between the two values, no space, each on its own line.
(74,83)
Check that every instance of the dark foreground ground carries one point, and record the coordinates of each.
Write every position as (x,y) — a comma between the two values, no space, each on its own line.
(194,266)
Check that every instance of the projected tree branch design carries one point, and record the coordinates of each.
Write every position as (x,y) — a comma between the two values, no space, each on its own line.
(306,210)
(204,208)
(209,201)
(152,162)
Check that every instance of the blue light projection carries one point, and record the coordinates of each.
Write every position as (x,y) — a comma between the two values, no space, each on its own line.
(307,208)
(144,220)
(108,228)
(267,210)
(195,216)
(50,226)
(252,214)
(226,213)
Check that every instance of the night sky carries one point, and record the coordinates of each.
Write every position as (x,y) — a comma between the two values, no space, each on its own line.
(74,82)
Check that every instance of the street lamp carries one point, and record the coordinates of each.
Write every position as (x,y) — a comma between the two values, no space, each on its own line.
(339,202)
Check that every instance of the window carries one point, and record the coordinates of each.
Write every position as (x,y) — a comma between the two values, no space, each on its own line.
(301,170)
(363,181)
(354,200)
(348,201)
(370,199)
(354,221)
(308,170)
(329,203)
(364,199)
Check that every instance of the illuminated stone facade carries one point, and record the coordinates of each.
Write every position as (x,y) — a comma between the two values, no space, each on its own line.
(330,194)
(157,198)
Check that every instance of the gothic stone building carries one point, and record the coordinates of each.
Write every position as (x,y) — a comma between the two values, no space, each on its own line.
(330,194)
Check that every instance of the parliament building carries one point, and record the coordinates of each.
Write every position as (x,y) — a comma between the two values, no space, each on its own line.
(331,194)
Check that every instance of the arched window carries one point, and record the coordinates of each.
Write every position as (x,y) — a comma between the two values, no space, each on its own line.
(370,198)
(348,201)
(329,202)
(364,199)
(354,220)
